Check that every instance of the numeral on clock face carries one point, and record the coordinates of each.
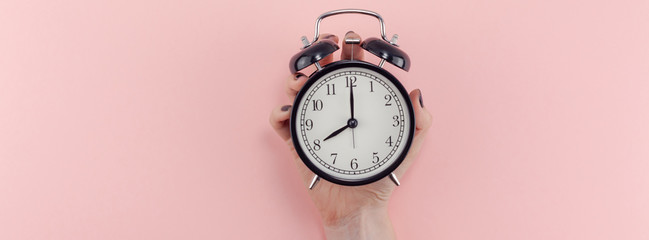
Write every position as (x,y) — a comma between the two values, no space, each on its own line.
(331,89)
(389,141)
(396,120)
(317,105)
(354,163)
(389,99)
(350,81)
(316,145)
(375,158)
(334,155)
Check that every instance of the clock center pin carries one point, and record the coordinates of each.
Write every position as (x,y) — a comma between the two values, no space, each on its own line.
(352,123)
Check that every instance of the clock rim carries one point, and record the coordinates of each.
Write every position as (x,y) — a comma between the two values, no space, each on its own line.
(301,94)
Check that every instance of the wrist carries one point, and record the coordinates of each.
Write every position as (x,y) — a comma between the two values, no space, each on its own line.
(365,223)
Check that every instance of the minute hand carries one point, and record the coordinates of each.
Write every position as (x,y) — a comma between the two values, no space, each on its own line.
(351,98)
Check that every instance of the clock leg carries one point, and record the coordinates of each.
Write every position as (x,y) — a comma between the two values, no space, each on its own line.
(314,181)
(394,179)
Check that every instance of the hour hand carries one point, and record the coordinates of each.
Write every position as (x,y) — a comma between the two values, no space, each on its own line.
(333,134)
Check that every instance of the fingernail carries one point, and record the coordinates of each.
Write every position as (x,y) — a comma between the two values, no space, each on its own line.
(286,108)
(329,36)
(421,101)
(298,75)
(349,32)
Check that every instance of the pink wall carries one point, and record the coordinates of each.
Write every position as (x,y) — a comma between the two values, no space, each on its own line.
(149,119)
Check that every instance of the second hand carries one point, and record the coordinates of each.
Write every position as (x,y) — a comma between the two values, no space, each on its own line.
(353,139)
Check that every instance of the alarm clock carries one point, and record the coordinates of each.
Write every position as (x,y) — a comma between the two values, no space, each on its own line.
(352,123)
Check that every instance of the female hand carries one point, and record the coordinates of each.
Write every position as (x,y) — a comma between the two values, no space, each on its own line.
(351,212)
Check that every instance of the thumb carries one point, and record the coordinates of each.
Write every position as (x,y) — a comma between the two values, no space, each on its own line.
(423,121)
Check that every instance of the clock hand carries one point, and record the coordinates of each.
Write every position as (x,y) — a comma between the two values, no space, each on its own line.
(336,132)
(351,98)
(353,139)
(351,106)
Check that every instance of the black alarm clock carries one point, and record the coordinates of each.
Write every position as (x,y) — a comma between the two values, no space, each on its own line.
(352,123)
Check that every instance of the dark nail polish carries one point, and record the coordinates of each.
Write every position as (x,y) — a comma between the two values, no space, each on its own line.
(298,75)
(421,101)
(286,108)
(349,32)
(330,36)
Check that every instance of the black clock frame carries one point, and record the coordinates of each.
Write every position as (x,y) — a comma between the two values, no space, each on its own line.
(301,94)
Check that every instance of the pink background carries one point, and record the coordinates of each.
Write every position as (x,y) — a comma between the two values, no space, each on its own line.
(149,119)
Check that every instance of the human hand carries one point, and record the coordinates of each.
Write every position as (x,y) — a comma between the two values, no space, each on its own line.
(358,212)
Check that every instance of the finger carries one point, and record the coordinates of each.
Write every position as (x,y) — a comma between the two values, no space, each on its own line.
(423,118)
(279,121)
(423,121)
(330,58)
(352,51)
(294,83)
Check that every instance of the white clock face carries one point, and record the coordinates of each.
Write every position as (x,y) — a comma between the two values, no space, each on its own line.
(352,148)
